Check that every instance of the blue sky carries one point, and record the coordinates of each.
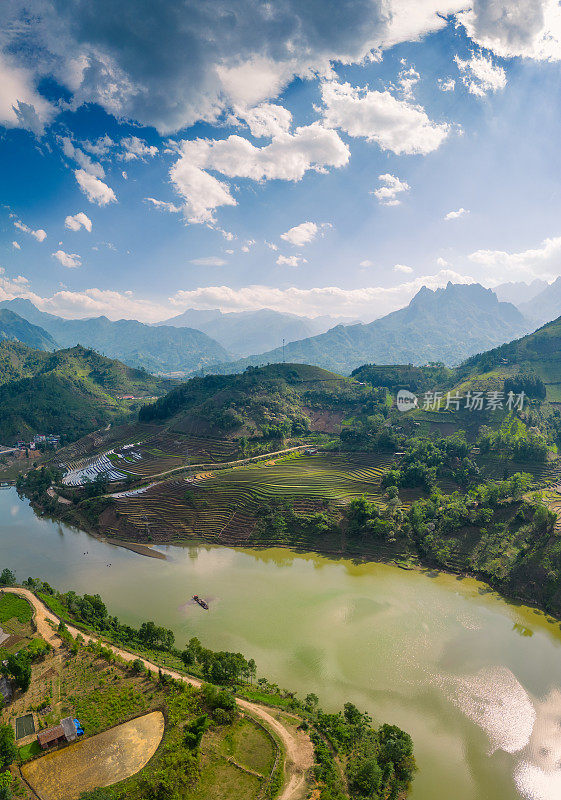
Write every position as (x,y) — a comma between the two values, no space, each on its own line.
(310,157)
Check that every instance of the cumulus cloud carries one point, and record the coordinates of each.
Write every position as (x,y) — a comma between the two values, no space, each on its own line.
(16,245)
(542,262)
(95,190)
(70,260)
(403,268)
(379,117)
(79,220)
(134,148)
(446,84)
(288,157)
(526,28)
(461,212)
(366,263)
(290,261)
(388,194)
(368,301)
(39,234)
(208,261)
(267,120)
(21,105)
(304,233)
(480,75)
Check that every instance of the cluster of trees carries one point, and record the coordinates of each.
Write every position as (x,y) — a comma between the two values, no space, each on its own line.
(425,458)
(17,667)
(220,667)
(35,483)
(513,440)
(8,753)
(370,434)
(278,520)
(379,762)
(527,382)
(404,376)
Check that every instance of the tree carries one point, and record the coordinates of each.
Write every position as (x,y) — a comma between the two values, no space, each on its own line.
(7,577)
(8,750)
(194,732)
(18,667)
(5,786)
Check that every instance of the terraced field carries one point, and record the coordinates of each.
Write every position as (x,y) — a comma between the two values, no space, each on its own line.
(142,453)
(496,468)
(223,505)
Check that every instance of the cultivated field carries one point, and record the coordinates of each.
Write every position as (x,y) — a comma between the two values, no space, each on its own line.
(222,505)
(97,761)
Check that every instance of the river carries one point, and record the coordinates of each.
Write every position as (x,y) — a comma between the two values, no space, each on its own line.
(474,679)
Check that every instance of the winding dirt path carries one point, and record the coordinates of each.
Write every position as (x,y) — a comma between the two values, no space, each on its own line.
(299,754)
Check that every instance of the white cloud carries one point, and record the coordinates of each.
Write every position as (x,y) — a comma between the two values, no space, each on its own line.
(100,147)
(16,245)
(368,301)
(21,106)
(248,245)
(267,120)
(366,263)
(290,261)
(446,84)
(135,148)
(542,262)
(461,212)
(81,158)
(272,245)
(39,234)
(304,233)
(380,117)
(95,190)
(209,261)
(79,220)
(388,194)
(525,28)
(408,79)
(403,268)
(162,205)
(441,262)
(70,260)
(288,157)
(480,75)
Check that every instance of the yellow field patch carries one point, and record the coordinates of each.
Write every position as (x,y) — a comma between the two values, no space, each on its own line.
(98,761)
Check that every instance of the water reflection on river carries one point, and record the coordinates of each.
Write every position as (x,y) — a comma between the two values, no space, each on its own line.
(475,680)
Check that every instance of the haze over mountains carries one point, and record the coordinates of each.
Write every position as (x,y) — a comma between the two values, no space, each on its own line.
(156,349)
(446,325)
(246,332)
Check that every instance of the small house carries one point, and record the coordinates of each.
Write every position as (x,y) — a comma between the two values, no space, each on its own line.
(65,732)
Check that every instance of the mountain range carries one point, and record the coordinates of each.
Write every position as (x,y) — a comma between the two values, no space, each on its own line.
(157,349)
(244,332)
(445,325)
(15,328)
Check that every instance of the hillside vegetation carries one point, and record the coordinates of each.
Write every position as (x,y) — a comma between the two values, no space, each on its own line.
(69,392)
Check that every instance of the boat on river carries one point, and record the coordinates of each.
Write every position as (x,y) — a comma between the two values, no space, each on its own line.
(200,601)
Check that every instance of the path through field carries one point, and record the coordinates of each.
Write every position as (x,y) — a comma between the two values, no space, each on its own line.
(299,753)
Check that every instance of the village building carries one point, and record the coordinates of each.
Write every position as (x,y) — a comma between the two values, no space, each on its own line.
(59,734)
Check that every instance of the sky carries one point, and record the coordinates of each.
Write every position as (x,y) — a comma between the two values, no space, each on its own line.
(312,157)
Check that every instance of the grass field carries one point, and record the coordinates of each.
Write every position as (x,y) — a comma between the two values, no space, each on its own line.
(223,504)
(13,607)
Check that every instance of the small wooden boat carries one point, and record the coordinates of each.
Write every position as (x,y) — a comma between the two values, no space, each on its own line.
(200,601)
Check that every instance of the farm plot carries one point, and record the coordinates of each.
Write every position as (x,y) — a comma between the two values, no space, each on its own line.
(148,454)
(223,505)
(98,761)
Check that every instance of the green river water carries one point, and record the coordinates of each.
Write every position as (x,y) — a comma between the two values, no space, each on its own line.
(474,679)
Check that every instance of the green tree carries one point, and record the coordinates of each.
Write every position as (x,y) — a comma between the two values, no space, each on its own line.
(8,750)
(18,667)
(5,786)
(7,577)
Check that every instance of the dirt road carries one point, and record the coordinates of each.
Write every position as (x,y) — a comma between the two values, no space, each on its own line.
(299,756)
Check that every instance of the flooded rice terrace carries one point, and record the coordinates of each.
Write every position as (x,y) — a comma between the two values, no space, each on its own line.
(474,679)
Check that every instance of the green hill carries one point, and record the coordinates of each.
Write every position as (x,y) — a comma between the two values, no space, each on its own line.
(17,329)
(538,354)
(69,392)
(445,325)
(157,349)
(273,401)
